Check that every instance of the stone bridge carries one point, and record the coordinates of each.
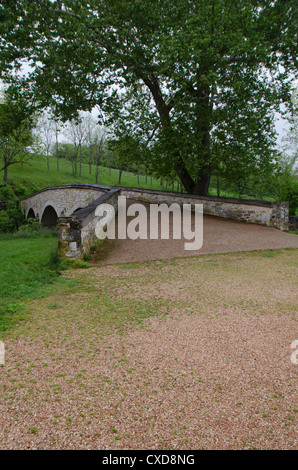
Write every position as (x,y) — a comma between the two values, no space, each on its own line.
(71,208)
(49,204)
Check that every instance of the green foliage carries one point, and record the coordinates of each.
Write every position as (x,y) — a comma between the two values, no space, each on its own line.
(286,182)
(15,134)
(8,196)
(32,225)
(79,264)
(10,215)
(6,223)
(14,115)
(196,82)
(288,191)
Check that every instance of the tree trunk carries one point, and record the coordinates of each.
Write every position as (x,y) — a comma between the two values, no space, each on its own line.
(5,174)
(184,177)
(120,174)
(202,184)
(80,160)
(57,150)
(199,187)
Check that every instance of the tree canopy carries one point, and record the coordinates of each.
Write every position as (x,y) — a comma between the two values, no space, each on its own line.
(195,82)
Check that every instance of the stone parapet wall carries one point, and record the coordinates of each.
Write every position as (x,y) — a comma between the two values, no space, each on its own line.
(272,214)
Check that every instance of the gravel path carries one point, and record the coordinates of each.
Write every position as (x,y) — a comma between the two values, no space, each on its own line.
(208,367)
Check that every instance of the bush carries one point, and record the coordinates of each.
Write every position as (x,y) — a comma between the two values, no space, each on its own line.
(8,199)
(10,216)
(10,220)
(6,222)
(20,190)
(32,225)
(289,192)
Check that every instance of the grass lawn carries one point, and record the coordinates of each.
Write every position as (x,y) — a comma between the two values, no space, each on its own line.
(29,269)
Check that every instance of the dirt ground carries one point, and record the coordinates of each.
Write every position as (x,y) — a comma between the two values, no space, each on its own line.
(192,353)
(185,353)
(219,236)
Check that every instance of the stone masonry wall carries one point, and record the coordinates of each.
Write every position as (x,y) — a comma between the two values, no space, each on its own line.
(272,214)
(76,234)
(65,199)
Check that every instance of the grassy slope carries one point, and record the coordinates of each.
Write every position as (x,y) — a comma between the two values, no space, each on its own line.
(36,174)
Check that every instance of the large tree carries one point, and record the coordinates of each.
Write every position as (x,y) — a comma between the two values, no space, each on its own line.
(196,81)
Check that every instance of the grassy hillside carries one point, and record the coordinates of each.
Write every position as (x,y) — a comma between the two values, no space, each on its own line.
(36,176)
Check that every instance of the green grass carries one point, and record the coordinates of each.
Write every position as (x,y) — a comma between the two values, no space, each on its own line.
(230,194)
(36,175)
(29,268)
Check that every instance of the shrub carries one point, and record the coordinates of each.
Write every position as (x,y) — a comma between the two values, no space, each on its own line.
(32,225)
(8,198)
(6,222)
(10,215)
(289,192)
(20,190)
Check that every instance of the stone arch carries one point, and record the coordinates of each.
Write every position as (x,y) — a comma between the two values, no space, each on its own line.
(30,214)
(49,217)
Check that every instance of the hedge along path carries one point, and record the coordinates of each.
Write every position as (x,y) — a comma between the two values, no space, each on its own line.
(189,353)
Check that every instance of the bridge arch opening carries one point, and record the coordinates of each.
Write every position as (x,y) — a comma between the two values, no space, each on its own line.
(49,217)
(31,214)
